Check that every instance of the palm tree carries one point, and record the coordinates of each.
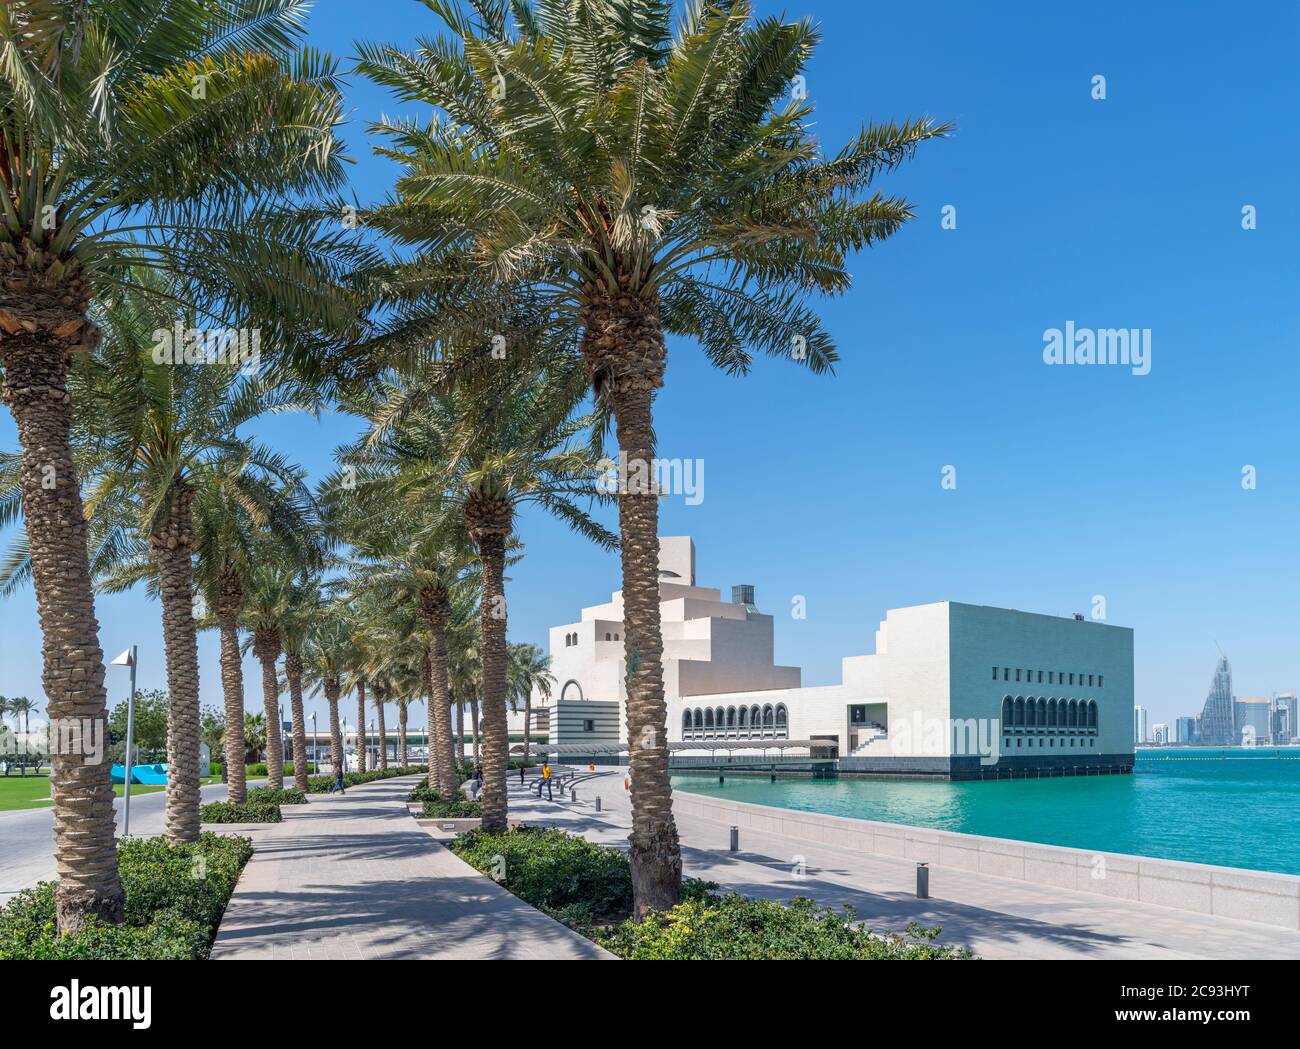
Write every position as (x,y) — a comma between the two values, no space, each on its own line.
(254,738)
(630,182)
(263,495)
(131,127)
(304,607)
(529,669)
(510,443)
(327,655)
(268,604)
(414,550)
(26,707)
(160,438)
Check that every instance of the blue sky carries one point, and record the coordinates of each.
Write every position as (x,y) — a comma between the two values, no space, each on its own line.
(1071,481)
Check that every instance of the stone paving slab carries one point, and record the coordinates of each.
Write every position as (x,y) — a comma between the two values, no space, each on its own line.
(356,877)
(995,917)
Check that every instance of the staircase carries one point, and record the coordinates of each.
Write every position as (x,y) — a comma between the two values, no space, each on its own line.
(867,735)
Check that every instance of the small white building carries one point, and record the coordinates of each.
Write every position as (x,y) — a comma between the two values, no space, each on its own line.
(952,690)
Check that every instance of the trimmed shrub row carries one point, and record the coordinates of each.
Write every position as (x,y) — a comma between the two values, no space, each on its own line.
(175,895)
(283,796)
(589,887)
(439,808)
(251,812)
(322,784)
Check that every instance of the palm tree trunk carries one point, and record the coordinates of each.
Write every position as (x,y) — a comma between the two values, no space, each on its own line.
(492,653)
(528,718)
(654,853)
(460,732)
(380,694)
(36,353)
(293,674)
(362,742)
(474,724)
(232,688)
(401,736)
(267,648)
(336,737)
(171,550)
(435,609)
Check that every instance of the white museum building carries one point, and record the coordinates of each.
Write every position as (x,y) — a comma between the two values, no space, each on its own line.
(952,690)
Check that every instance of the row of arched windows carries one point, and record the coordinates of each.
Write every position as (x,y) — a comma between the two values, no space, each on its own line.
(767,721)
(1040,714)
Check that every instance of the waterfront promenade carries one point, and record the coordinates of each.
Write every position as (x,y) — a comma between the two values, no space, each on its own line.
(354,876)
(995,917)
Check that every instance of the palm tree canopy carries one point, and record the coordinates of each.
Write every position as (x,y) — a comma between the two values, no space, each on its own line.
(578,150)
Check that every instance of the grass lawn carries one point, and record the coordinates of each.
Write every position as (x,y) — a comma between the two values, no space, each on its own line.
(33,791)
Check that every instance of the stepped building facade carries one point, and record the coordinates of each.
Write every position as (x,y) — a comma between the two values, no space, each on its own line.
(952,690)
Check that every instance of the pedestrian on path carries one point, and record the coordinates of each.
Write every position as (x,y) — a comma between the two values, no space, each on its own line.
(338,781)
(521,775)
(546,778)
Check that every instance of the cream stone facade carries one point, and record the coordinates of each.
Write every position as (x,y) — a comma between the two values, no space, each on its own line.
(952,689)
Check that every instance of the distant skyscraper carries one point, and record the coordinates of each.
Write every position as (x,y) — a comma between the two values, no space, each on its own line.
(1253,719)
(1218,722)
(1285,711)
(1139,724)
(1185,730)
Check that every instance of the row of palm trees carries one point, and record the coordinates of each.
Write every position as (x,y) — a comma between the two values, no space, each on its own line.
(593,179)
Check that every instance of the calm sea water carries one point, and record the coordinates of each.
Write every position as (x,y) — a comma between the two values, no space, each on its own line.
(1233,808)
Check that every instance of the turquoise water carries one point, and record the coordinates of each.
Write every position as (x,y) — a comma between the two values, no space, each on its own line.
(1227,807)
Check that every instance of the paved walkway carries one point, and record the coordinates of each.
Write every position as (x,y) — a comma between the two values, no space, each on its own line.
(995,917)
(356,877)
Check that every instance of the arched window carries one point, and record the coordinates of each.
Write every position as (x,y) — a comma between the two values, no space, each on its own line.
(615,635)
(1020,710)
(686,720)
(608,636)
(1042,712)
(769,716)
(743,715)
(699,718)
(731,717)
(1074,714)
(782,720)
(1031,712)
(1092,713)
(755,717)
(1006,711)
(1051,713)
(708,717)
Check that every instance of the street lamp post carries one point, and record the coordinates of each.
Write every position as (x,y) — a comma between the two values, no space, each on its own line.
(372,732)
(315,743)
(343,744)
(128,659)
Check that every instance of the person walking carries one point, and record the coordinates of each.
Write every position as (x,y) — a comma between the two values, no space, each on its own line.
(338,780)
(521,775)
(546,778)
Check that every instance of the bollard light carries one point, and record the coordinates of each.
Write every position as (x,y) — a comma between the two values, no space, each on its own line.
(735,839)
(597,804)
(922,882)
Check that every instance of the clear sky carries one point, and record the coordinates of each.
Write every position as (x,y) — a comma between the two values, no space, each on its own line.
(1070,481)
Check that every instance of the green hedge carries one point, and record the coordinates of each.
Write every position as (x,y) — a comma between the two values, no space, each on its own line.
(175,895)
(322,784)
(589,887)
(252,812)
(260,769)
(567,877)
(283,796)
(439,808)
(733,928)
